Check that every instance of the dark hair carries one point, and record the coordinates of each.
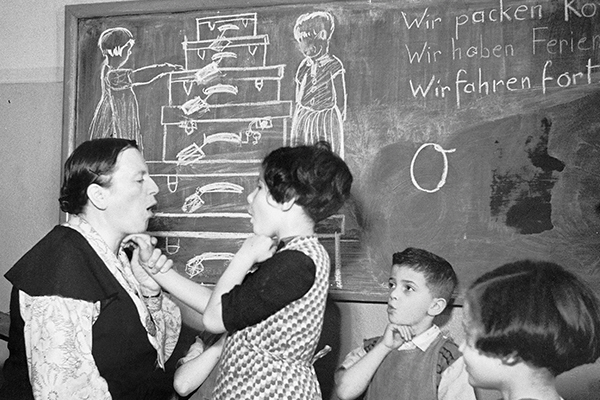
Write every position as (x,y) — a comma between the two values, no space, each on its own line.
(91,162)
(439,274)
(538,312)
(316,177)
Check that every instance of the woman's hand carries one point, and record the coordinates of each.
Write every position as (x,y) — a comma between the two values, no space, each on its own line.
(146,261)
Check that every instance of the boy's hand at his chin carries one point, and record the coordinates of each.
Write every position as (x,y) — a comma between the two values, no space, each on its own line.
(396,335)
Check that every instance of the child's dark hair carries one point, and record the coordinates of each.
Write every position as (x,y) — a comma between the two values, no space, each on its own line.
(91,162)
(439,274)
(536,312)
(317,178)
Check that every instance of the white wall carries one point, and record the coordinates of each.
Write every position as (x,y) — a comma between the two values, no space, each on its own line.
(32,40)
(31,70)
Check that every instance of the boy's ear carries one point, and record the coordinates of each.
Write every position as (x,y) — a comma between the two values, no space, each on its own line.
(97,195)
(437,306)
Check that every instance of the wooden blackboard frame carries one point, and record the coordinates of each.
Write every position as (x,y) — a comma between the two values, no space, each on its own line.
(518,162)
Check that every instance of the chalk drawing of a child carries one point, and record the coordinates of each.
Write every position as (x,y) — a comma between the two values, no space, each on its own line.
(320,85)
(117,114)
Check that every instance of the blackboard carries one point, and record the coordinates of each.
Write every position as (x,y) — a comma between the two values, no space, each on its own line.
(472,128)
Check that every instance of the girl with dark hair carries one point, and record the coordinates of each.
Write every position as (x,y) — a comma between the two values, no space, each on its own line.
(525,323)
(271,298)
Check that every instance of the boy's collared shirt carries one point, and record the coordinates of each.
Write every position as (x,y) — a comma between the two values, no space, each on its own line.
(454,383)
(422,341)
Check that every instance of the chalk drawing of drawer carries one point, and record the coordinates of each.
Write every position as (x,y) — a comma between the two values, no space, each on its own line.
(227,85)
(192,194)
(217,142)
(208,222)
(242,51)
(210,28)
(203,255)
(174,115)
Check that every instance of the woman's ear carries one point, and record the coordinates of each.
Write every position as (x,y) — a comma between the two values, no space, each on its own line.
(97,195)
(437,306)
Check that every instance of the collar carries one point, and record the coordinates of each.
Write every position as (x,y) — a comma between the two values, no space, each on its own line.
(289,239)
(422,341)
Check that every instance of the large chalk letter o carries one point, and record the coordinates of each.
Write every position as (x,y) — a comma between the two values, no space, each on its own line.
(442,181)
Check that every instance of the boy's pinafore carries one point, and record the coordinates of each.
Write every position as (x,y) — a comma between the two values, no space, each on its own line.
(413,374)
(273,359)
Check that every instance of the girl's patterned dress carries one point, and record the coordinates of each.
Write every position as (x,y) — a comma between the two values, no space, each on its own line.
(273,359)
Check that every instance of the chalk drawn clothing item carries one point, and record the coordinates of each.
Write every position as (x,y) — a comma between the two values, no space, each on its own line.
(317,116)
(429,367)
(117,113)
(273,358)
(78,327)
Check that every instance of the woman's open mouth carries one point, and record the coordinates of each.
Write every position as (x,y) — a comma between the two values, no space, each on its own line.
(151,209)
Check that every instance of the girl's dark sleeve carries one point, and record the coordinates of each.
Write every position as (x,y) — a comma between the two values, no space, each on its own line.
(278,281)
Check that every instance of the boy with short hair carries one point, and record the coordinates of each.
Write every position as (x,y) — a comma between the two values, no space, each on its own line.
(413,359)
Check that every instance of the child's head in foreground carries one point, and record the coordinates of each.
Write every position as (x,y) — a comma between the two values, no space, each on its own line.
(421,286)
(317,178)
(535,313)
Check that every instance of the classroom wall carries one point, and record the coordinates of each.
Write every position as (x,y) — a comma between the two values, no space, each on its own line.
(31,44)
(31,68)
(30,125)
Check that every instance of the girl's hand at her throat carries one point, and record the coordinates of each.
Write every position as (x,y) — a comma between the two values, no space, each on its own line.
(258,248)
(147,260)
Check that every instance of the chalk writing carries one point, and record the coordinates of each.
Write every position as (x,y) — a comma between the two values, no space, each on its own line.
(562,45)
(500,14)
(579,9)
(567,79)
(484,60)
(481,51)
(425,20)
(425,53)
